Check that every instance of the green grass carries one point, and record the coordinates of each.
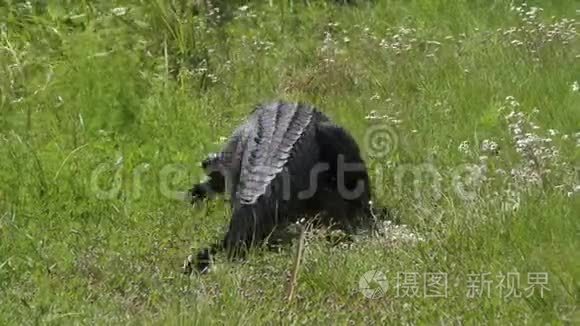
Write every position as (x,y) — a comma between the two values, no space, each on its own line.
(91,100)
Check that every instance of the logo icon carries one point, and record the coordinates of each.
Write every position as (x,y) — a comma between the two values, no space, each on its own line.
(373,284)
(381,140)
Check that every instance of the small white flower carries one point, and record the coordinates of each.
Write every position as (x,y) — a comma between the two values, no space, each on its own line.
(575,86)
(464,147)
(489,146)
(119,11)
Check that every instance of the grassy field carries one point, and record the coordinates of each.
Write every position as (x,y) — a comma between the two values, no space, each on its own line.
(468,114)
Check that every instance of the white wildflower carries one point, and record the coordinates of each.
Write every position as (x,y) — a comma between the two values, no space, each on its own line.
(464,147)
(373,115)
(489,146)
(119,11)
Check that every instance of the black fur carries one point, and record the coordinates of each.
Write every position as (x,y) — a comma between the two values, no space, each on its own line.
(268,168)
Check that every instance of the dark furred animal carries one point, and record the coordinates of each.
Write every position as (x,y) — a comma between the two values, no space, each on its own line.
(285,162)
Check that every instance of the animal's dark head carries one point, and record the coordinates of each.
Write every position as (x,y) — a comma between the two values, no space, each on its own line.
(210,161)
(214,162)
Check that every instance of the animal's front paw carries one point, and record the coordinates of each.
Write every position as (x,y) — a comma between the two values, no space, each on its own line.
(197,193)
(188,265)
(201,263)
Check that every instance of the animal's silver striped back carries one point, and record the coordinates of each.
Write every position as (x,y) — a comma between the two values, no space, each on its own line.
(269,134)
